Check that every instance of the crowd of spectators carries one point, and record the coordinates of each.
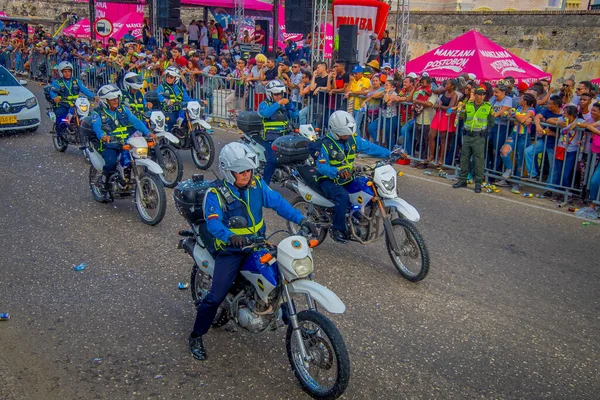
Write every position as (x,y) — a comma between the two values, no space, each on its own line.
(541,133)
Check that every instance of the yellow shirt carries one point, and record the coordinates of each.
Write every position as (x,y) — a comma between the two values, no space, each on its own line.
(357,86)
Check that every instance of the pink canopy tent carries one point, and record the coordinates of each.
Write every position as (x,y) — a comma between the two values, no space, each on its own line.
(79,30)
(130,22)
(248,4)
(475,54)
(596,81)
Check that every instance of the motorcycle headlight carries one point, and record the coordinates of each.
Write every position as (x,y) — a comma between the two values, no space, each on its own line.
(389,185)
(30,103)
(195,113)
(159,124)
(141,151)
(303,267)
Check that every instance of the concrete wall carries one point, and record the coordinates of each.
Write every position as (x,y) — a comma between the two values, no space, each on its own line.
(563,44)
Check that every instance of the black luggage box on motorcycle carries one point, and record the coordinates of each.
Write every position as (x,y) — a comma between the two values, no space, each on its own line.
(152,97)
(291,149)
(189,198)
(250,121)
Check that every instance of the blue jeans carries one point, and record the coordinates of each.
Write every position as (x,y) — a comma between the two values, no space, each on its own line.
(520,141)
(595,185)
(497,137)
(569,165)
(531,153)
(338,195)
(407,136)
(271,160)
(388,126)
(227,266)
(359,115)
(110,154)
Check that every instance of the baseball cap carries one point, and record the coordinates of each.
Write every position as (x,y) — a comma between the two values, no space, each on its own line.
(424,74)
(522,86)
(472,76)
(411,75)
(383,78)
(480,90)
(368,70)
(357,69)
(285,62)
(387,65)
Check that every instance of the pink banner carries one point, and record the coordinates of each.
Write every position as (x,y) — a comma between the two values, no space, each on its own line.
(115,11)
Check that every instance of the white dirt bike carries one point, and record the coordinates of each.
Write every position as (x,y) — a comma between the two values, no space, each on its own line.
(261,295)
(164,153)
(376,211)
(136,175)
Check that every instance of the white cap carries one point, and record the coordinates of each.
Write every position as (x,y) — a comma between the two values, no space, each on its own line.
(472,76)
(411,75)
(424,74)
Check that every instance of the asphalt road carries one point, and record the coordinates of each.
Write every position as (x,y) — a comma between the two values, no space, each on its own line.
(510,308)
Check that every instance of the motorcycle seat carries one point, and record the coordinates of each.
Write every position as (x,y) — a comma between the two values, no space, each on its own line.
(309,174)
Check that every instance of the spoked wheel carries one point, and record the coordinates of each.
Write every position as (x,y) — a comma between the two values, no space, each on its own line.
(96,185)
(59,143)
(327,372)
(200,286)
(150,199)
(172,166)
(413,259)
(316,216)
(203,150)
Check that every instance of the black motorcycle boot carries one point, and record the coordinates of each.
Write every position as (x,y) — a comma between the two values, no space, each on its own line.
(106,187)
(197,348)
(339,236)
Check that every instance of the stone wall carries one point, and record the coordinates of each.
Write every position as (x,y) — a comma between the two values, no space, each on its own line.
(563,44)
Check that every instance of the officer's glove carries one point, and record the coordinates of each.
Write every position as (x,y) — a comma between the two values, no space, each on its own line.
(344,174)
(237,241)
(312,228)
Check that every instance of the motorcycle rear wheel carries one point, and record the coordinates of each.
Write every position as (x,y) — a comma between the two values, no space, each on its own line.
(95,180)
(206,155)
(324,343)
(200,286)
(302,205)
(150,195)
(412,246)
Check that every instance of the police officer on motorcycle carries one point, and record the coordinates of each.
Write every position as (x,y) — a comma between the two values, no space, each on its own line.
(133,97)
(171,93)
(240,194)
(109,119)
(65,90)
(275,112)
(335,163)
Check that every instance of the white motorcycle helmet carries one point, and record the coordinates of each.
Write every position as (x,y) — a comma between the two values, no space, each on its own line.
(64,65)
(236,157)
(274,87)
(174,72)
(132,81)
(109,92)
(341,123)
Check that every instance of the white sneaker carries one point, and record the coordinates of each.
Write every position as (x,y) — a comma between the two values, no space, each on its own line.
(507,173)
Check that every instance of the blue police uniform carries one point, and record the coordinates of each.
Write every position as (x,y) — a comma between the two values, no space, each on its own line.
(178,94)
(135,102)
(247,203)
(335,187)
(68,90)
(275,120)
(120,121)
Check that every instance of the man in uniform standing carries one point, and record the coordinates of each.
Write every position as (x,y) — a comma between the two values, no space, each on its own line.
(479,117)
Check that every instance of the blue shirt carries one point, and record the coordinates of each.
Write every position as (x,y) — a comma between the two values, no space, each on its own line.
(69,84)
(271,199)
(362,146)
(267,109)
(97,122)
(177,88)
(547,114)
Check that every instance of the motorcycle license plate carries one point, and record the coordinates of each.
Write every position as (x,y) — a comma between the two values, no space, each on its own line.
(8,119)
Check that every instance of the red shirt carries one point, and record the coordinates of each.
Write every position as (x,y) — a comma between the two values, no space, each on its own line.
(257,34)
(182,62)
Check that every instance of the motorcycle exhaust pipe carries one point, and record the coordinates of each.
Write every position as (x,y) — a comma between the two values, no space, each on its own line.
(291,185)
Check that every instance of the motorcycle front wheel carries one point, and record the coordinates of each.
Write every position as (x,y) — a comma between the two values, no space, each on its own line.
(150,199)
(326,374)
(200,286)
(203,149)
(413,260)
(96,184)
(303,206)
(59,143)
(172,166)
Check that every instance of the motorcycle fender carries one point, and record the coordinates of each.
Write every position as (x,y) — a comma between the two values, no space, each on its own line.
(310,195)
(169,136)
(403,208)
(319,293)
(151,165)
(202,123)
(96,159)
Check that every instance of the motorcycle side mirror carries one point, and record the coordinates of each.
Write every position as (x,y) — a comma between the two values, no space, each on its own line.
(238,222)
